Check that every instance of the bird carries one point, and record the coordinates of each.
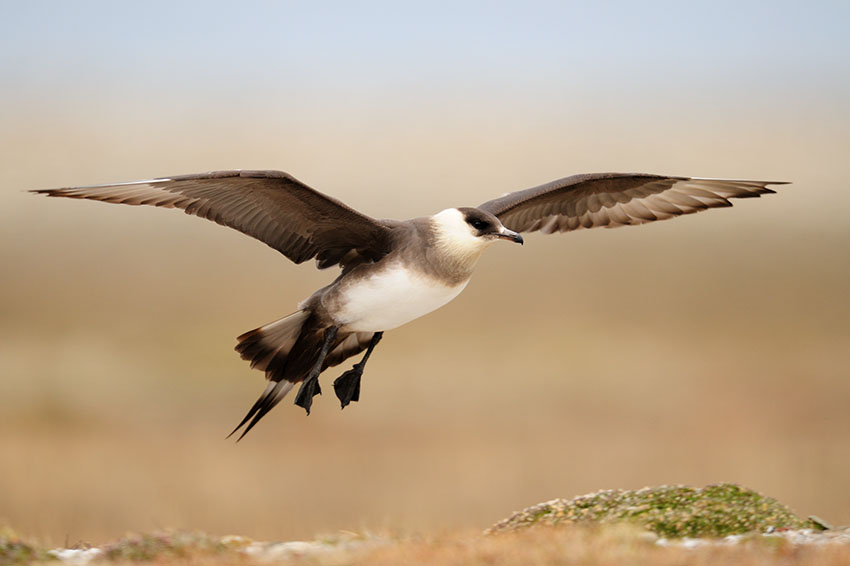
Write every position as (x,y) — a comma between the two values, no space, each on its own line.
(390,271)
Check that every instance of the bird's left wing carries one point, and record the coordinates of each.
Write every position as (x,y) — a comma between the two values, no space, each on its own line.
(615,199)
(271,206)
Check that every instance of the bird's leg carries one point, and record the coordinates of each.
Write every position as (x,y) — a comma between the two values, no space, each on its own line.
(310,386)
(347,386)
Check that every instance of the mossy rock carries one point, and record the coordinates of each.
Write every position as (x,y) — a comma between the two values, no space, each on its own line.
(14,550)
(668,511)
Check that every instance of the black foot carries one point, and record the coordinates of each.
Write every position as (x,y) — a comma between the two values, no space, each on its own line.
(309,388)
(347,386)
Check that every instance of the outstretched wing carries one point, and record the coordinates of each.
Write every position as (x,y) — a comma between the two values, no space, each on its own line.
(271,206)
(615,199)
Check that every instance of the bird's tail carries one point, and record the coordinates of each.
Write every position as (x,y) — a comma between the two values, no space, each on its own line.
(272,342)
(268,348)
(286,349)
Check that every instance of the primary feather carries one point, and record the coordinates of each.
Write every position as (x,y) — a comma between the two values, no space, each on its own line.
(615,199)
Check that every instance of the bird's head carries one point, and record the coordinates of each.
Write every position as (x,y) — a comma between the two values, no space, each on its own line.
(471,229)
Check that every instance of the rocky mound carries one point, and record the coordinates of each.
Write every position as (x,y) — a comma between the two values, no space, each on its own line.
(668,511)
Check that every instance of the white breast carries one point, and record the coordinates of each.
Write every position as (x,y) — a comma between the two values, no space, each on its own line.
(390,298)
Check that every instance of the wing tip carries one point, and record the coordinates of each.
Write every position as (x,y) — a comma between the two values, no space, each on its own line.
(80,192)
(63,192)
(744,181)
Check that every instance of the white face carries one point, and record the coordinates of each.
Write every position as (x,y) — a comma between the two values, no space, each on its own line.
(455,233)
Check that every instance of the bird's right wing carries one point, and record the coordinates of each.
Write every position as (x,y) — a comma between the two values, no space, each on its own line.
(271,206)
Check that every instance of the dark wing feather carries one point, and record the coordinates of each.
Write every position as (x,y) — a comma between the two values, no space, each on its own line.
(615,199)
(271,206)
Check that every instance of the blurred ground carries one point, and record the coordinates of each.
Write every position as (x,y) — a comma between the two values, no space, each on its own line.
(591,545)
(706,349)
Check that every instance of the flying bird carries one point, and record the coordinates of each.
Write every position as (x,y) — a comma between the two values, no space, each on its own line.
(392,271)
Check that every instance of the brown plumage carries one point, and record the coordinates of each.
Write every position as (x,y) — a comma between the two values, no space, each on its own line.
(392,271)
(615,199)
(271,206)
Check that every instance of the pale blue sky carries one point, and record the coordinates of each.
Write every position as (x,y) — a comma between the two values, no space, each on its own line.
(102,48)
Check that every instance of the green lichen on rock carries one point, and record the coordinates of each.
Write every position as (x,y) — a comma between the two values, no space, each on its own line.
(14,550)
(668,511)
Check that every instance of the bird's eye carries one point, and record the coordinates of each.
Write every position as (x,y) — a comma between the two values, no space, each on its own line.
(477,223)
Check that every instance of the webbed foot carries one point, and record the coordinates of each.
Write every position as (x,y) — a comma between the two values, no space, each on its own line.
(347,386)
(309,388)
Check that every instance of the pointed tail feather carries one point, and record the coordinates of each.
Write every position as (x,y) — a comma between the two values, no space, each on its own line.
(268,348)
(274,392)
(286,350)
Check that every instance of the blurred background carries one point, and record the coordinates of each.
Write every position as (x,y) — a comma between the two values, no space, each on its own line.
(707,349)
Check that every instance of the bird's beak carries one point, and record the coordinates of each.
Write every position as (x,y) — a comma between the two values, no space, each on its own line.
(506,234)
